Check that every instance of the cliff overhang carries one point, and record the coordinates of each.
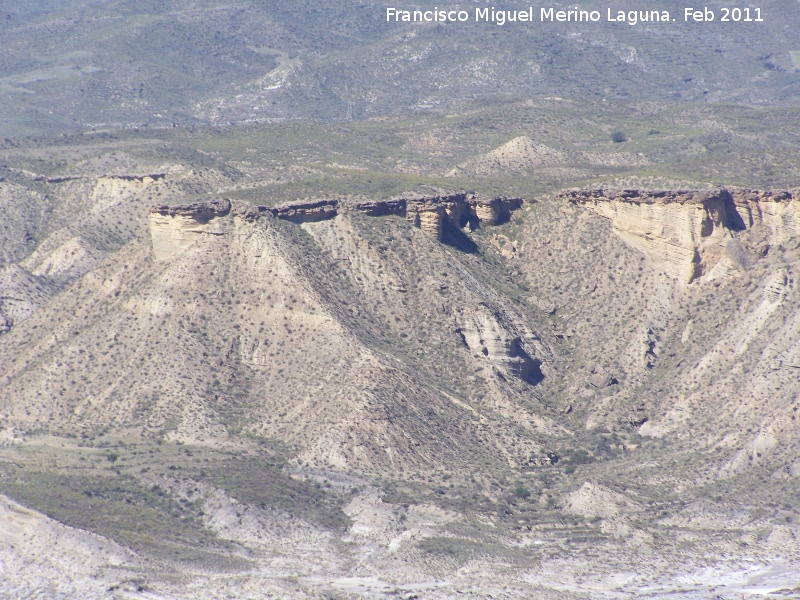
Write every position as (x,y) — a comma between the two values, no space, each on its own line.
(689,234)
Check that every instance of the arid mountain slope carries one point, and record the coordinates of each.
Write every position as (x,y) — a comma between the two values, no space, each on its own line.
(374,392)
(338,337)
(701,337)
(116,64)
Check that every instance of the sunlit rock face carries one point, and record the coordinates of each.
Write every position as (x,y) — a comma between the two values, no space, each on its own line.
(307,212)
(685,234)
(488,333)
(428,214)
(778,210)
(176,228)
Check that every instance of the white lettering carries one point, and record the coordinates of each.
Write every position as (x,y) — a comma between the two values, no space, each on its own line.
(633,17)
(569,16)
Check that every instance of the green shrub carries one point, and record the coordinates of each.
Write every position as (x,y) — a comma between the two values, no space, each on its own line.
(522,492)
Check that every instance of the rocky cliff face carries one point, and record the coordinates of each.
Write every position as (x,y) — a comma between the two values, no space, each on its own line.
(380,208)
(367,347)
(687,234)
(306,212)
(459,210)
(456,209)
(779,211)
(492,211)
(429,213)
(202,212)
(174,228)
(145,179)
(487,211)
(492,336)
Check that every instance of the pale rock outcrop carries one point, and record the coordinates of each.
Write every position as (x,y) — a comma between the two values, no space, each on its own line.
(306,212)
(393,526)
(487,210)
(683,233)
(778,210)
(593,500)
(488,333)
(428,214)
(492,211)
(777,287)
(69,260)
(380,208)
(687,233)
(175,228)
(753,453)
(456,208)
(44,558)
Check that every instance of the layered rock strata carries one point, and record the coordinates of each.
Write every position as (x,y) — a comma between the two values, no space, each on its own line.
(491,335)
(778,210)
(200,211)
(252,213)
(685,233)
(429,213)
(492,211)
(487,211)
(175,228)
(459,210)
(307,212)
(380,208)
(148,178)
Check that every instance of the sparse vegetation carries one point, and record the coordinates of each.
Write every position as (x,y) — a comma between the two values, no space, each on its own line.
(618,137)
(286,398)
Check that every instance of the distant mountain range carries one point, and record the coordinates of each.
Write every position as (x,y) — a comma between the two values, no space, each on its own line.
(76,65)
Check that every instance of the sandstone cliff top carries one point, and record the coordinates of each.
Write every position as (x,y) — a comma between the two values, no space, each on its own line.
(578,196)
(208,208)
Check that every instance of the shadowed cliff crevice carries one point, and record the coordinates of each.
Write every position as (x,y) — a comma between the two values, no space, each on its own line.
(455,238)
(526,368)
